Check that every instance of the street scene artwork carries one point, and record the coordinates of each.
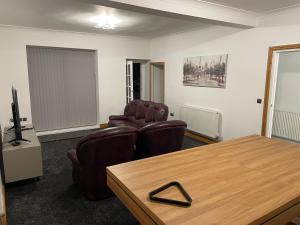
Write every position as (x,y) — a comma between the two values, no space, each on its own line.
(205,71)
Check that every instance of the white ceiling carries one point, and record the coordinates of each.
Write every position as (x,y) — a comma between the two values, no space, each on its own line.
(73,15)
(258,6)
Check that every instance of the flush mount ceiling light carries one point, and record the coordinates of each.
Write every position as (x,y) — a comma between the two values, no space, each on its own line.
(105,22)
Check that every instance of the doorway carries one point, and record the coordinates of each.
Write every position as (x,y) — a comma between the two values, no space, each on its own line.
(137,80)
(281,116)
(157,82)
(145,80)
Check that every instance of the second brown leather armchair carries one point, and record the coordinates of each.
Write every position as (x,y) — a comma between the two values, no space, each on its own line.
(160,138)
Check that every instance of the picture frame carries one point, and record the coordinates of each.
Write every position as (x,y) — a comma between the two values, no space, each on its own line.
(205,71)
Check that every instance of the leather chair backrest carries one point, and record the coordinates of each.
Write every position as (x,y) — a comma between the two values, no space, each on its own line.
(107,147)
(143,112)
(159,138)
(96,151)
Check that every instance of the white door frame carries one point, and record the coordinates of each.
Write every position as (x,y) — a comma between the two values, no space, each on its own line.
(272,90)
(272,94)
(129,81)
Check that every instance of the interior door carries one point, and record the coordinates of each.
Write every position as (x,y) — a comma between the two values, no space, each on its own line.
(129,81)
(157,83)
(272,94)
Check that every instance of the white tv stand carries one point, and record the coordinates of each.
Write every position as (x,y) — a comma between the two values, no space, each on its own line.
(22,161)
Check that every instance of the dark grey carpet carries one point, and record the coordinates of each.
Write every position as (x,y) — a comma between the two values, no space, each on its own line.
(54,200)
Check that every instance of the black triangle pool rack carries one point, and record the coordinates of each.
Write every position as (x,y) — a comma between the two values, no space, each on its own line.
(186,203)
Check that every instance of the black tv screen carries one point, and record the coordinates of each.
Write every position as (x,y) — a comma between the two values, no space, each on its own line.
(16,115)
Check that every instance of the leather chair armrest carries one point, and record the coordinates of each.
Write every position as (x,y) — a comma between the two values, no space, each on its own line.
(73,157)
(118,117)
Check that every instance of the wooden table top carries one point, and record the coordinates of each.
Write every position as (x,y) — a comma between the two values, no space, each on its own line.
(243,181)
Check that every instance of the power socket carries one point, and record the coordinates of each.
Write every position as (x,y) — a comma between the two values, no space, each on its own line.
(171,114)
(21,119)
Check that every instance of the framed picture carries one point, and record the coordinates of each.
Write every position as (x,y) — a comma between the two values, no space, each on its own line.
(205,71)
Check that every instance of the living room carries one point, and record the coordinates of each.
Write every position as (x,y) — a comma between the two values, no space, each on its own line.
(251,38)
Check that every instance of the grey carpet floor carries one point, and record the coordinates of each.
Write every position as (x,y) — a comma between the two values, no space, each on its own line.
(54,200)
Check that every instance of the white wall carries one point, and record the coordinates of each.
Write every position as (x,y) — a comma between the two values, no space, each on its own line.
(288,82)
(247,49)
(112,54)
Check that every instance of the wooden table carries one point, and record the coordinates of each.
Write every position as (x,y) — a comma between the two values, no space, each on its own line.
(251,180)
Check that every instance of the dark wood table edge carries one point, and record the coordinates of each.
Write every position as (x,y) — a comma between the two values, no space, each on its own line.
(282,215)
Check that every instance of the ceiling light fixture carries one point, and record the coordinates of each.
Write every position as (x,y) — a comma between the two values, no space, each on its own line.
(105,22)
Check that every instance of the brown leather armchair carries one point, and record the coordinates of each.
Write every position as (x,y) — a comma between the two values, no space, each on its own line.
(160,138)
(139,113)
(95,152)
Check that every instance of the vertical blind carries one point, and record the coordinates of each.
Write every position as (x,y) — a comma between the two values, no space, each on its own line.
(62,87)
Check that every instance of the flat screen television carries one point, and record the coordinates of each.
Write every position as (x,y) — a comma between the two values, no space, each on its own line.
(16,119)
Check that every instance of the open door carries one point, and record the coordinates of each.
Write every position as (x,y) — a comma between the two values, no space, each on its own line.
(272,94)
(129,81)
(157,82)
(281,115)
(137,79)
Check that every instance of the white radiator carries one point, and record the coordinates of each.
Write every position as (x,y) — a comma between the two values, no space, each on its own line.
(286,125)
(203,121)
